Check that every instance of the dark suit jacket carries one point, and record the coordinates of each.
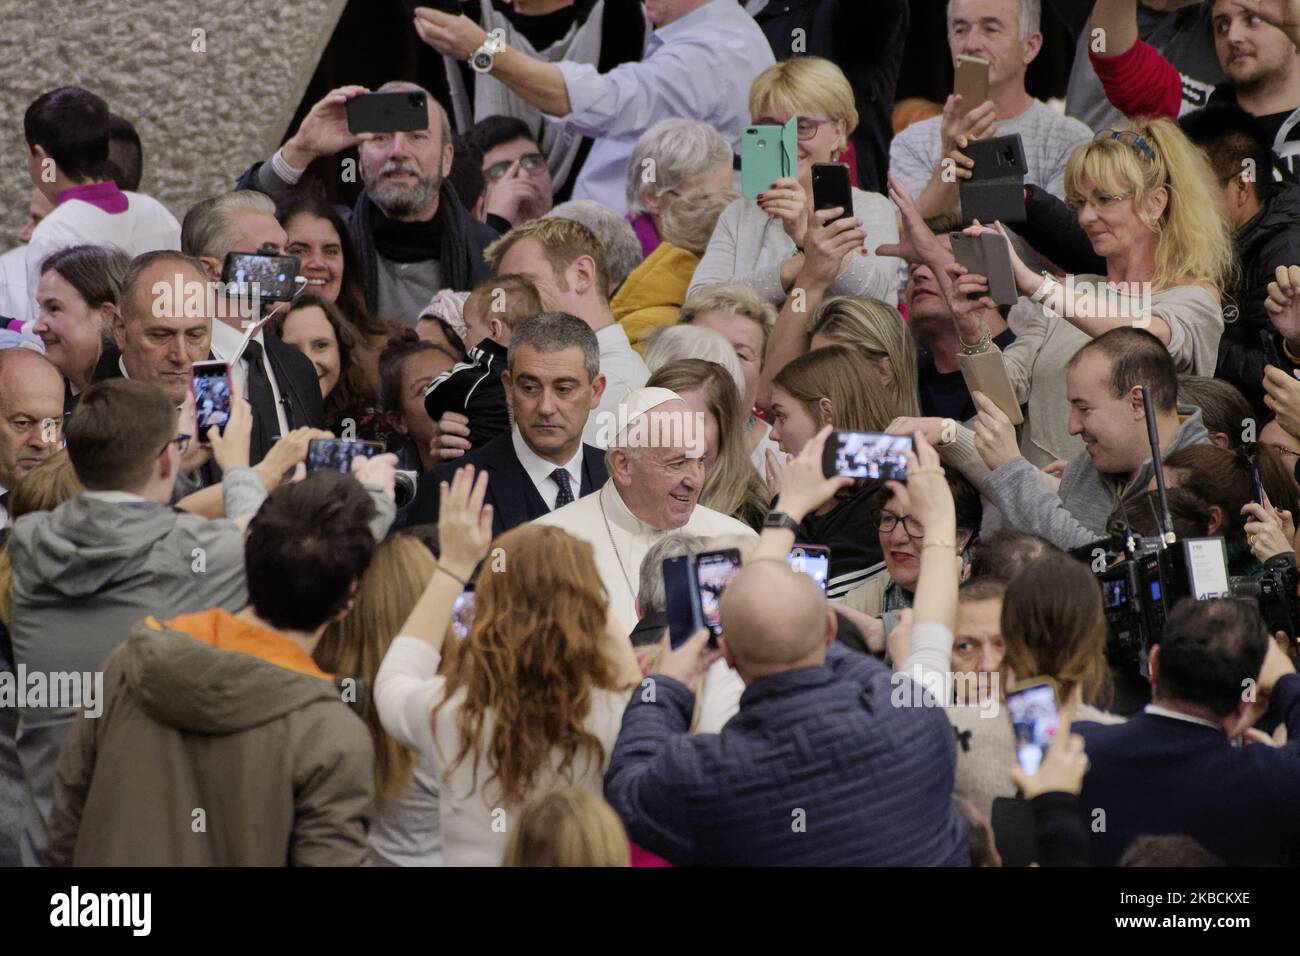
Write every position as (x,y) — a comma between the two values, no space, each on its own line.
(511,493)
(1157,775)
(295,376)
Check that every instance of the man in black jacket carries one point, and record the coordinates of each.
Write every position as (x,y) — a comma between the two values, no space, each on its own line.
(412,234)
(1265,217)
(278,381)
(552,382)
(1174,769)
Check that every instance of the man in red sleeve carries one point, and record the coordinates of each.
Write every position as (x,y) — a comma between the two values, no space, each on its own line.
(1256,42)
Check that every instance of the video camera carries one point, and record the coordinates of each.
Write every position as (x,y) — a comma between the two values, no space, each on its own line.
(1142,578)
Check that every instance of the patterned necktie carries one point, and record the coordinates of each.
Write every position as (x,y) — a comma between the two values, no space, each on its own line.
(565,497)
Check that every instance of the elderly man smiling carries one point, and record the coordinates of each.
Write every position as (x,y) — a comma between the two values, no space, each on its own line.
(656,470)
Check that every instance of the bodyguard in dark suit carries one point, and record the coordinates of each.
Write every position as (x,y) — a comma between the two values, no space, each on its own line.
(552,383)
(1173,769)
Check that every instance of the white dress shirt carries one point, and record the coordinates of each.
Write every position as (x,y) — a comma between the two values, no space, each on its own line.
(699,67)
(624,372)
(15,303)
(539,470)
(225,343)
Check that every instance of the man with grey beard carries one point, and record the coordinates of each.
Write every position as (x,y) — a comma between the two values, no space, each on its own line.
(413,235)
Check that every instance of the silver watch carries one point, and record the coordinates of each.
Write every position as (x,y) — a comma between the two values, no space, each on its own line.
(485,56)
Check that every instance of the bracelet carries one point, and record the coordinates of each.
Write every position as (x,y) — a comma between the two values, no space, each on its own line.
(1044,289)
(980,346)
(946,545)
(946,427)
(461,581)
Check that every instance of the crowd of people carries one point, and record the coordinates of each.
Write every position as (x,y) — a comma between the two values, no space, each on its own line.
(576,354)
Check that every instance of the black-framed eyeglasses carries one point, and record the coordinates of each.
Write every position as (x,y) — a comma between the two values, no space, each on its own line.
(182,443)
(531,163)
(886,522)
(1129,138)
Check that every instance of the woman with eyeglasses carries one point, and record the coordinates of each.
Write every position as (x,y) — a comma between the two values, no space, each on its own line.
(760,243)
(1149,204)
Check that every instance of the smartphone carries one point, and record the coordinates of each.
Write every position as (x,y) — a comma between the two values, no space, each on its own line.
(767,153)
(996,189)
(1035,717)
(989,255)
(831,188)
(1259,485)
(210,382)
(462,615)
(866,455)
(336,454)
(971,81)
(813,560)
(401,112)
(713,572)
(274,278)
(681,600)
(986,373)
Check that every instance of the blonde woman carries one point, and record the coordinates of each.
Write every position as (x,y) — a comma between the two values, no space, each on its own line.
(405,830)
(760,242)
(653,293)
(536,698)
(876,329)
(745,320)
(568,828)
(1149,203)
(731,485)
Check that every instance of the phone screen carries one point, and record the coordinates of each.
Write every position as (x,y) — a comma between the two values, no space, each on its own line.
(812,561)
(211,397)
(462,615)
(336,454)
(679,599)
(1034,718)
(273,278)
(713,572)
(867,455)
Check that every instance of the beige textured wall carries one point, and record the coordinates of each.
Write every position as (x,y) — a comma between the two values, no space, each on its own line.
(203,114)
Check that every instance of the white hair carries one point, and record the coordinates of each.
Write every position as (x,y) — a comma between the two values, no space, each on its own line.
(622,247)
(675,342)
(670,154)
(1031,16)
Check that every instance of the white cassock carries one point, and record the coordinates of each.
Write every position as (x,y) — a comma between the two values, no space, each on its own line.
(620,540)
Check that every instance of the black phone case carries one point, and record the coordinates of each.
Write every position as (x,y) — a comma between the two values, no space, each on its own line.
(399,112)
(996,190)
(832,188)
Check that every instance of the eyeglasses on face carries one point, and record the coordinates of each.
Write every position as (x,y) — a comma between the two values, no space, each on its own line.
(806,127)
(531,163)
(182,443)
(886,522)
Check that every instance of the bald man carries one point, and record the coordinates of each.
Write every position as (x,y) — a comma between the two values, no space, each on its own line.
(31,417)
(818,767)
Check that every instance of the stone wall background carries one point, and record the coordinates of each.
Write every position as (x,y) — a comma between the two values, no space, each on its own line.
(206,104)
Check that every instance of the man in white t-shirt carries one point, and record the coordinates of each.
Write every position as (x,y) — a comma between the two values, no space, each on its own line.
(1006,34)
(67,135)
(566,262)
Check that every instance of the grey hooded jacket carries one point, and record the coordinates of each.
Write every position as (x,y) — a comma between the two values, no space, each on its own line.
(1076,513)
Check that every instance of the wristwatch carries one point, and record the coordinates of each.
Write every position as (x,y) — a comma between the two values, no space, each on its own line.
(779,519)
(485,56)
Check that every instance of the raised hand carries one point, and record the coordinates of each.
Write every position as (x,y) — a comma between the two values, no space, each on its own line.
(916,242)
(324,130)
(464,521)
(380,470)
(804,486)
(451,34)
(926,496)
(1283,302)
(231,448)
(957,130)
(828,246)
(995,436)
(787,201)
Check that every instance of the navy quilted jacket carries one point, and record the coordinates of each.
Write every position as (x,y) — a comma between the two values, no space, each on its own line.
(818,768)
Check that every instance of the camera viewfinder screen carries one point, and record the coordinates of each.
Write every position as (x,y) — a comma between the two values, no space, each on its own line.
(815,564)
(274,275)
(872,455)
(714,572)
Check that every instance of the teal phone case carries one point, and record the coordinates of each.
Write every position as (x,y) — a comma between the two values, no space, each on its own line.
(766,154)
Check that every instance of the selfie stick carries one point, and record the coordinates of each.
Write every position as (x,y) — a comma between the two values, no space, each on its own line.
(1153,435)
(257,326)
